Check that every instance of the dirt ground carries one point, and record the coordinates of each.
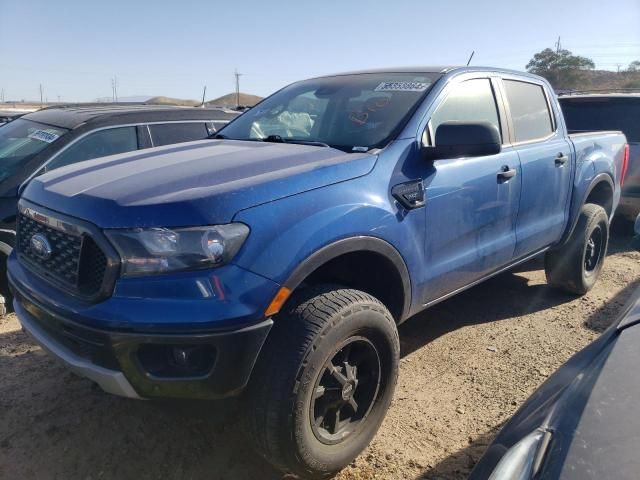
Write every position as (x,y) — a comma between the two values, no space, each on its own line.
(467,364)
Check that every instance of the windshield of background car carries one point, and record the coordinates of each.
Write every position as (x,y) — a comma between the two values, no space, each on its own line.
(21,140)
(604,114)
(350,112)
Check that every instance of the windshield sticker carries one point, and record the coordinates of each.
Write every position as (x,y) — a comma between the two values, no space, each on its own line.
(44,136)
(402,87)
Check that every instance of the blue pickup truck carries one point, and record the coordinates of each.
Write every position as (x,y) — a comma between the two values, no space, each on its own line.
(278,259)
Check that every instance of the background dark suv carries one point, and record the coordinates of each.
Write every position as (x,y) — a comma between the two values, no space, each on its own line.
(54,137)
(610,110)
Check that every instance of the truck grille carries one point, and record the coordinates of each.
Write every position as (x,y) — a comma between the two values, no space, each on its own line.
(75,261)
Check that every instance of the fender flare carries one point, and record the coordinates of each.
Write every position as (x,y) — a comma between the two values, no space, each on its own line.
(601,177)
(348,245)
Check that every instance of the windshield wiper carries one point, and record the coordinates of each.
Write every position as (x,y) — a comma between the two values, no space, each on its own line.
(279,139)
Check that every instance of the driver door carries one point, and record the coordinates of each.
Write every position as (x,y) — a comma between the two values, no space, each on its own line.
(471,210)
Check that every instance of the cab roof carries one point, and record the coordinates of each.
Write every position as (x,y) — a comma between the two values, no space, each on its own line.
(73,116)
(441,69)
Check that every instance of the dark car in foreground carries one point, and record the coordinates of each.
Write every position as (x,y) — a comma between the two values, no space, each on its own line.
(50,138)
(620,110)
(583,422)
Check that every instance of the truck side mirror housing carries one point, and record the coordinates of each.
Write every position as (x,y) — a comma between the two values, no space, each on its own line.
(464,139)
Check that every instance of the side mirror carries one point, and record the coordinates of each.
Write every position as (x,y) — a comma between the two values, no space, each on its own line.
(464,139)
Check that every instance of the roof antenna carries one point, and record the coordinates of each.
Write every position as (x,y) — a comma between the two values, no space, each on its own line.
(470,57)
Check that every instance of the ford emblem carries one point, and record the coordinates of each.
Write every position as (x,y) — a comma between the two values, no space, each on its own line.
(41,246)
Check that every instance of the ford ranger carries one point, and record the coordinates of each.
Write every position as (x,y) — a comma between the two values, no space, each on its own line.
(276,261)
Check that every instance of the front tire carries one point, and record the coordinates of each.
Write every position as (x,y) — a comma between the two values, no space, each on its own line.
(324,381)
(576,266)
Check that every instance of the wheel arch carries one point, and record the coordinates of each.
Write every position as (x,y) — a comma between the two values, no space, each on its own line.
(371,254)
(600,191)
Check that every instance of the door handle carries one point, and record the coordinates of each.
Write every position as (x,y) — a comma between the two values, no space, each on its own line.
(561,159)
(506,173)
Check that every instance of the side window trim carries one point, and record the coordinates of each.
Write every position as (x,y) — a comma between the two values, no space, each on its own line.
(550,111)
(144,138)
(498,102)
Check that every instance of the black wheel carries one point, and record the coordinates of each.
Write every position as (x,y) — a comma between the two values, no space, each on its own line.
(323,382)
(576,266)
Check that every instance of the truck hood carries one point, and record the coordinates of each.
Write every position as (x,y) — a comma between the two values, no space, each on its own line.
(198,183)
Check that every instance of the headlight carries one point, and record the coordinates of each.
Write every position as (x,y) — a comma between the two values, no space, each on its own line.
(161,250)
(522,461)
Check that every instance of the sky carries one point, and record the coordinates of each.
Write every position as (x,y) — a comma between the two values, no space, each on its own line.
(73,48)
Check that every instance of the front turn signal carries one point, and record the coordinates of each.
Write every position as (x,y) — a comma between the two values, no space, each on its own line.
(277,302)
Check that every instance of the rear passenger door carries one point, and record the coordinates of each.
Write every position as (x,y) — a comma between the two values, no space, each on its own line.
(178,132)
(545,157)
(470,209)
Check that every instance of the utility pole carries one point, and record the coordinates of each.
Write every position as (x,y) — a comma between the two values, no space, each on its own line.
(618,65)
(114,89)
(238,75)
(58,98)
(558,46)
(40,95)
(204,92)
(469,61)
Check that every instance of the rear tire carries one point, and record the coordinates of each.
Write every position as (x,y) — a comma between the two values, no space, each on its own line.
(576,266)
(323,382)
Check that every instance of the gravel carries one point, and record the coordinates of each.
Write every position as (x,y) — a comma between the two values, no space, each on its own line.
(467,364)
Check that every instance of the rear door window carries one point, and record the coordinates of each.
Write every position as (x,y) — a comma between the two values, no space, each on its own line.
(529,110)
(169,133)
(98,144)
(470,101)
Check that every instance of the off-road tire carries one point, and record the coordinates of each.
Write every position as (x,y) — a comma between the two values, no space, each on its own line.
(566,267)
(305,337)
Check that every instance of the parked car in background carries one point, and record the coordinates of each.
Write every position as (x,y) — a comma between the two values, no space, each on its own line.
(281,257)
(50,138)
(619,110)
(581,424)
(636,237)
(8,115)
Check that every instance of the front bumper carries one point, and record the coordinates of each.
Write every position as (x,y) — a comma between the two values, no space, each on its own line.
(112,359)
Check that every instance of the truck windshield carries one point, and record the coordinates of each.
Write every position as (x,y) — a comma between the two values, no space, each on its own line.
(21,140)
(351,112)
(603,114)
